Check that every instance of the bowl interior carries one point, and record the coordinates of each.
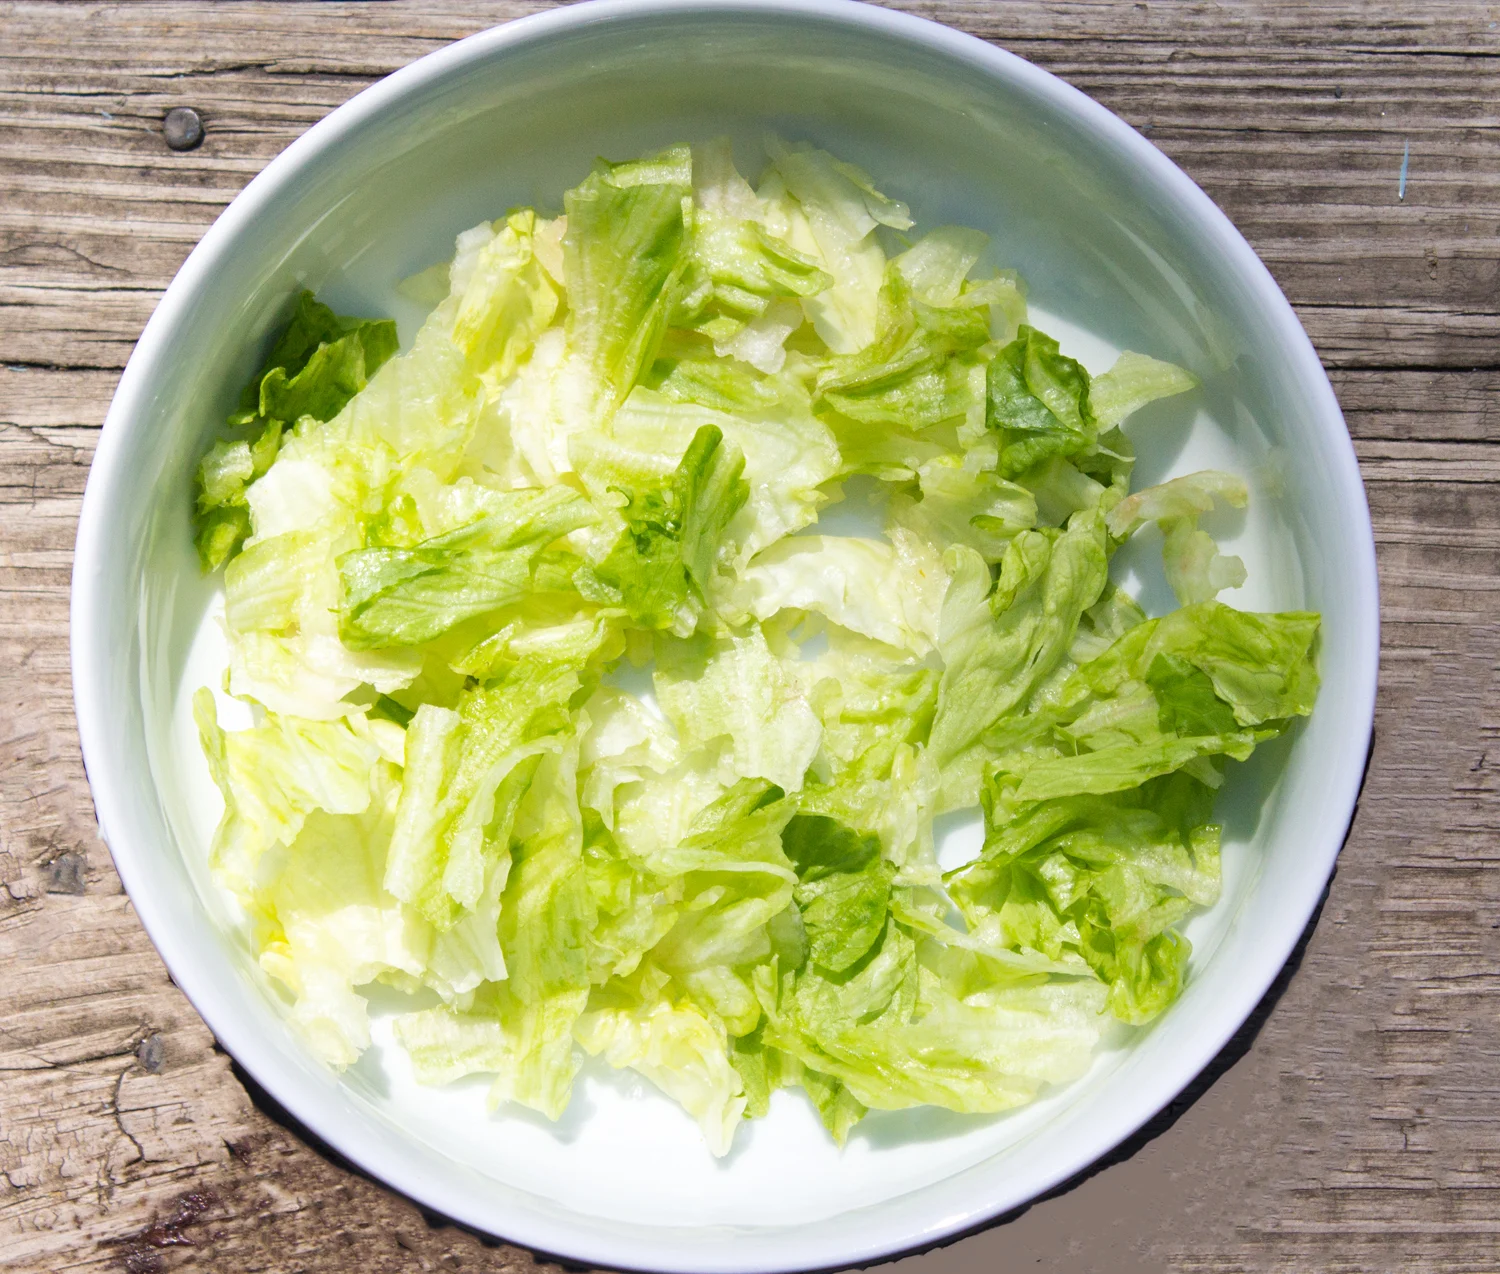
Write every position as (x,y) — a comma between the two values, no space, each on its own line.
(1118,251)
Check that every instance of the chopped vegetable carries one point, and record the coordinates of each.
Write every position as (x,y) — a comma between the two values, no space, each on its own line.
(600,452)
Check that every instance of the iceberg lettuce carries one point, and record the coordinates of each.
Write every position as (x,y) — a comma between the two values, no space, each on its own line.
(740,276)
(624,255)
(660,567)
(571,723)
(680,1049)
(829,210)
(318,364)
(408,596)
(735,689)
(1195,568)
(999,643)
(890,591)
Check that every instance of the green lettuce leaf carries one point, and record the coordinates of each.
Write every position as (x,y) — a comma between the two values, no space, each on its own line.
(1263,666)
(273,776)
(893,1038)
(662,563)
(1104,878)
(921,369)
(876,710)
(960,505)
(843,888)
(789,453)
(678,1047)
(937,266)
(624,255)
(331,926)
(521,1030)
(466,770)
(890,591)
(1134,381)
(1098,827)
(319,362)
(737,269)
(507,301)
(1043,406)
(733,691)
(972,1058)
(1195,568)
(736,882)
(635,907)
(1038,404)
(1173,694)
(546,914)
(829,210)
(837,1107)
(526,1045)
(406,596)
(999,645)
(621,739)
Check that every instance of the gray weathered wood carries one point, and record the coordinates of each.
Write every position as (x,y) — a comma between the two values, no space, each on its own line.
(1360,1127)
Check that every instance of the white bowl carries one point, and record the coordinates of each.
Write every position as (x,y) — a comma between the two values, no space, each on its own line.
(1121,250)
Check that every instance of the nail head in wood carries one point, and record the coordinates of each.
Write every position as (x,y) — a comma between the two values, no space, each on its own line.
(151,1052)
(67,874)
(182,128)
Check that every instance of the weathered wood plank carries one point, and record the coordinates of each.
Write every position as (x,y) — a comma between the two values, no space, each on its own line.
(1289,124)
(1360,1130)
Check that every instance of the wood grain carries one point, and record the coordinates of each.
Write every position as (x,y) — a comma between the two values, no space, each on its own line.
(1355,1125)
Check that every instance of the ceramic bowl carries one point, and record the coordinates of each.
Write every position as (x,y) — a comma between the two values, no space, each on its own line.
(1120,249)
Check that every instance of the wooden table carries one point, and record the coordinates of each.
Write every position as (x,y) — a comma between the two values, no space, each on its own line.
(1354,1124)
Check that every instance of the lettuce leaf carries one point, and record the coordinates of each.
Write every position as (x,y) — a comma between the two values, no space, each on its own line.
(508,300)
(891,591)
(274,775)
(1195,568)
(736,883)
(738,270)
(624,254)
(829,210)
(1263,666)
(527,1047)
(1038,404)
(999,645)
(876,710)
(1134,381)
(465,772)
(336,929)
(843,888)
(920,370)
(406,596)
(679,1048)
(1103,877)
(665,557)
(973,1058)
(734,689)
(319,362)
(960,505)
(521,1030)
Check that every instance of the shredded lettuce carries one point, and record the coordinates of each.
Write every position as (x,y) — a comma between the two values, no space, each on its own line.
(660,567)
(319,363)
(889,591)
(1195,568)
(450,571)
(397,596)
(623,261)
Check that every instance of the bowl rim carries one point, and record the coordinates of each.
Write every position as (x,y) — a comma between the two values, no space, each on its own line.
(705,1249)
